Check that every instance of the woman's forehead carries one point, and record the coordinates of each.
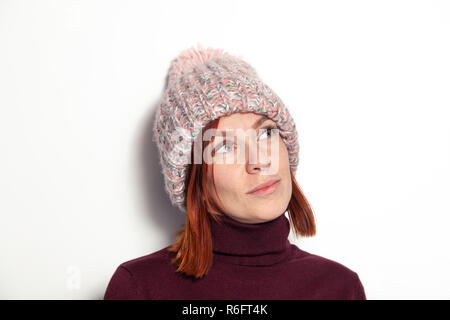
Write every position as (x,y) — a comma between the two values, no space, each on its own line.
(244,121)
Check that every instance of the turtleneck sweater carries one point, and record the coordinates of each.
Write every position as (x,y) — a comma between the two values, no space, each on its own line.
(250,262)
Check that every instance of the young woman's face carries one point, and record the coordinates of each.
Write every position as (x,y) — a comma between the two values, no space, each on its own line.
(235,179)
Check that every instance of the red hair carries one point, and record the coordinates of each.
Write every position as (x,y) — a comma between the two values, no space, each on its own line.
(194,244)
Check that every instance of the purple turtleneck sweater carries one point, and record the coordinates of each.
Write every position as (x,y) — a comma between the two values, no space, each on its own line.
(250,262)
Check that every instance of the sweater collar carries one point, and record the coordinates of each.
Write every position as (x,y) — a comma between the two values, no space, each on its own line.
(247,244)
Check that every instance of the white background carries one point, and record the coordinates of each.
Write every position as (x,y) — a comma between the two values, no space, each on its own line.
(81,190)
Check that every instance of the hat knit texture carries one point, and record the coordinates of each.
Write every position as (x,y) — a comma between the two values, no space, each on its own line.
(203,85)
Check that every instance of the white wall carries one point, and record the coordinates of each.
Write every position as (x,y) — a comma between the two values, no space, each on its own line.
(81,189)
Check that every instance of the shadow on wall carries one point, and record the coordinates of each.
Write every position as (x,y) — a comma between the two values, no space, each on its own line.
(159,210)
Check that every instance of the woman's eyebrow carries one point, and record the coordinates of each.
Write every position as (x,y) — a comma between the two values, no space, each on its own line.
(260,122)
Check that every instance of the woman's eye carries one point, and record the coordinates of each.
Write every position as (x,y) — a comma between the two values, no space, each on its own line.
(225,147)
(269,131)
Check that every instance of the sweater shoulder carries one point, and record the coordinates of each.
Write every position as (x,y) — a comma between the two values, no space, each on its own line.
(320,262)
(330,271)
(131,277)
(150,263)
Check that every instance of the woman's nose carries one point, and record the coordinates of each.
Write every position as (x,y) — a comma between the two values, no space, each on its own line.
(258,158)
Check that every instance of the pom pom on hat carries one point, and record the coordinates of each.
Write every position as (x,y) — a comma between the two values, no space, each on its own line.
(190,58)
(194,56)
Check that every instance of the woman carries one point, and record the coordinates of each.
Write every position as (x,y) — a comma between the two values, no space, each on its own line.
(229,150)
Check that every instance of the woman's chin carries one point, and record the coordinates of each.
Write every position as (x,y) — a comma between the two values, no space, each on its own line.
(267,214)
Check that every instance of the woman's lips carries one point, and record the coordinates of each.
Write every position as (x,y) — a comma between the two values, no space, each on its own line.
(266,190)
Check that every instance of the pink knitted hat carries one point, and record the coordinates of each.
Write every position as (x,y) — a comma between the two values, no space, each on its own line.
(202,86)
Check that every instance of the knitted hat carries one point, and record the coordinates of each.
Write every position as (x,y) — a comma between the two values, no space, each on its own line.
(202,86)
